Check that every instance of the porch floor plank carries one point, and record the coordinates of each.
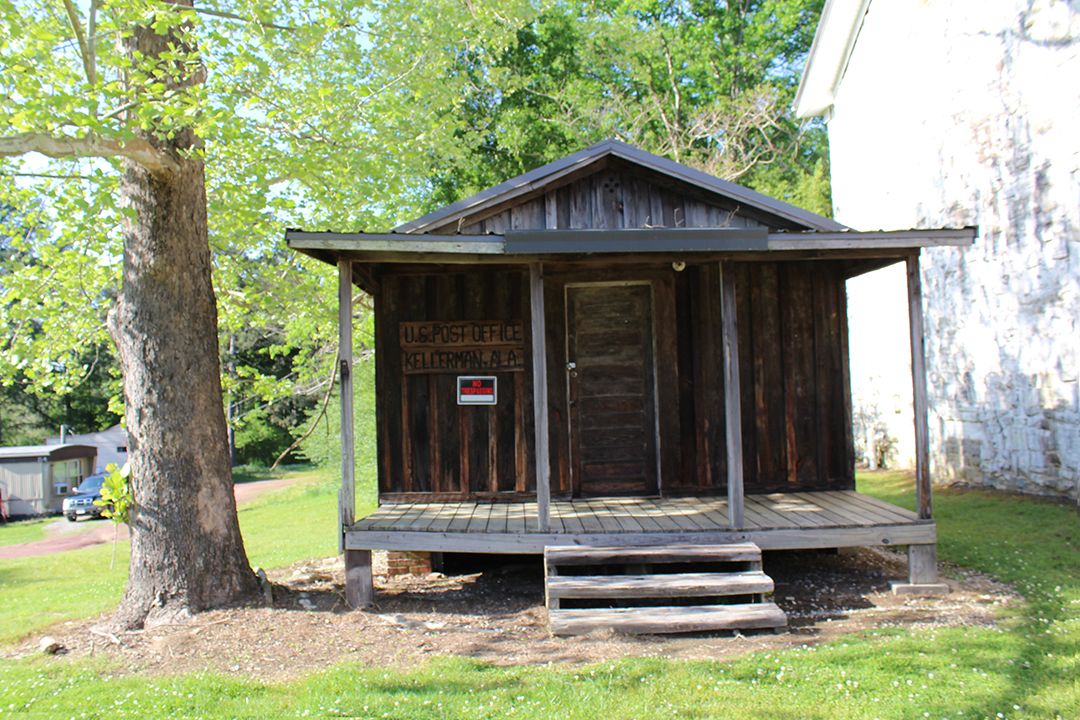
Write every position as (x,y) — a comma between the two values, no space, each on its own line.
(589,520)
(831,514)
(462,517)
(761,510)
(426,518)
(795,506)
(608,516)
(499,518)
(894,510)
(478,521)
(807,519)
(389,516)
(867,514)
(407,518)
(649,516)
(442,522)
(515,515)
(673,516)
(626,519)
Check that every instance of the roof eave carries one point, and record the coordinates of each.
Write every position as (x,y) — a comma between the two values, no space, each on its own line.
(834,41)
(516,245)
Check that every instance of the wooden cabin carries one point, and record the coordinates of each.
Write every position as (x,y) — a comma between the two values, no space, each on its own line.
(617,351)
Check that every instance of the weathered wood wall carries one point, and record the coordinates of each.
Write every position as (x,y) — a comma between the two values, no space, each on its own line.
(427,443)
(793,372)
(792,347)
(614,197)
(792,359)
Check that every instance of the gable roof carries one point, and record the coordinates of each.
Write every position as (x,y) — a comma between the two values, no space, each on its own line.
(536,180)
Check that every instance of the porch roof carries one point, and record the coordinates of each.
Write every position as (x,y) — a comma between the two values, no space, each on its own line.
(522,246)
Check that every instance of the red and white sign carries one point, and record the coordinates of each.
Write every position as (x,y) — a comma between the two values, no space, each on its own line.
(476,390)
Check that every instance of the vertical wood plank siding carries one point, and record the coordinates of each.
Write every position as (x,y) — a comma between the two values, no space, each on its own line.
(793,372)
(791,322)
(429,443)
(792,352)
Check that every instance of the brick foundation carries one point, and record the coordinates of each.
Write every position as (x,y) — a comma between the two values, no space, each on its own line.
(401,562)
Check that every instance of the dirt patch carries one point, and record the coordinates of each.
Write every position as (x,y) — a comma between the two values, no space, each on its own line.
(64,535)
(498,616)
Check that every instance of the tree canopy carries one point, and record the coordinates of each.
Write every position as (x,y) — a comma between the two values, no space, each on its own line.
(709,84)
(351,115)
(308,113)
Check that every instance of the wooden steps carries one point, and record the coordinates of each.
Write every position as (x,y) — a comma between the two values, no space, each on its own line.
(656,620)
(753,582)
(582,555)
(639,589)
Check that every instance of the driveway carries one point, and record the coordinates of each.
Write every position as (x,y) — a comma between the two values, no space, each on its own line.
(64,535)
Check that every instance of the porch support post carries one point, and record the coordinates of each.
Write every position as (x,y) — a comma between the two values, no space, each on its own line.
(918,385)
(922,558)
(540,396)
(359,583)
(346,494)
(732,407)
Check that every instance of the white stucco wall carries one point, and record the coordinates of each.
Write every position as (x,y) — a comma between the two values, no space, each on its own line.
(964,113)
(881,358)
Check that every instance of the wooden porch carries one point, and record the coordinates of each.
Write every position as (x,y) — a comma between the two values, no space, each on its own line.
(779,521)
(640,329)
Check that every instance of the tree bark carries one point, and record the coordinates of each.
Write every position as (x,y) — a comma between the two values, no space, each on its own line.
(187,554)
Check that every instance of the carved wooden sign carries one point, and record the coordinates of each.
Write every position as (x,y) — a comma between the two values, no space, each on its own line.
(462,345)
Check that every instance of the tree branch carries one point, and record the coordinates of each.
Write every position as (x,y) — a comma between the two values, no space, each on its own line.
(137,149)
(240,18)
(50,176)
(84,51)
(314,423)
(91,42)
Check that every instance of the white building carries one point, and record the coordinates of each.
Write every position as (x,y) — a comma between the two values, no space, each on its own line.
(111,444)
(967,113)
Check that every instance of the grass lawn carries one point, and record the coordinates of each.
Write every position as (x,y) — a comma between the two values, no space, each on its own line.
(295,524)
(279,528)
(23,531)
(1026,667)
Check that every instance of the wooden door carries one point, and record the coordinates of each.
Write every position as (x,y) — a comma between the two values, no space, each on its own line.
(612,389)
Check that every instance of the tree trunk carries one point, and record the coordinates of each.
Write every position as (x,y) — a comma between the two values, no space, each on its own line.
(187,554)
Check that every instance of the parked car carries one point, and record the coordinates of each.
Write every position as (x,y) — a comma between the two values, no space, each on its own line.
(81,501)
